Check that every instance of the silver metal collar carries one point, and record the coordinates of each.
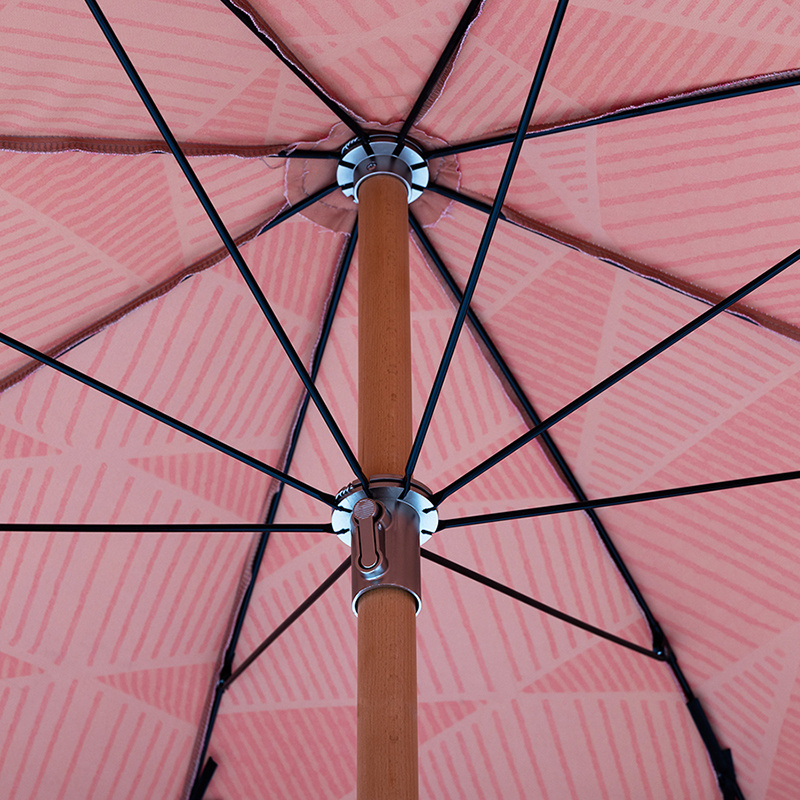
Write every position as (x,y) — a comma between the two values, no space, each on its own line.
(390,487)
(356,164)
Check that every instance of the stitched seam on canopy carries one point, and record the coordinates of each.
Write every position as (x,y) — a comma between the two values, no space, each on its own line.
(757,80)
(89,144)
(265,29)
(667,280)
(55,350)
(438,87)
(635,267)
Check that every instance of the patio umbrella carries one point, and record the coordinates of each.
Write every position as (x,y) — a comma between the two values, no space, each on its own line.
(605,370)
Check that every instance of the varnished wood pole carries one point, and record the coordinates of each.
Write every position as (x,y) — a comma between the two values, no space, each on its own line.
(384,329)
(387,671)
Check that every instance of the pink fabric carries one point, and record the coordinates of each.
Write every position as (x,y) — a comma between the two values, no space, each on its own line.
(110,643)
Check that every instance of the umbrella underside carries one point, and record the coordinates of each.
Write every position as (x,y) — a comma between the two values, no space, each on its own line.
(655,180)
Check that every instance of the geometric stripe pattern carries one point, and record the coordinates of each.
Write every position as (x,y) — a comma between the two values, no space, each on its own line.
(111,642)
(176,690)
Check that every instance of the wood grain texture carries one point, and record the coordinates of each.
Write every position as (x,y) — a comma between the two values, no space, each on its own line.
(387,696)
(387,672)
(384,339)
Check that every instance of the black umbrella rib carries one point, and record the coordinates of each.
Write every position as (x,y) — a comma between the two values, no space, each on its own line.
(227,677)
(319,351)
(608,257)
(329,155)
(203,779)
(304,77)
(544,608)
(228,241)
(160,416)
(293,617)
(547,439)
(617,376)
(619,500)
(486,239)
(644,110)
(289,212)
(451,48)
(327,325)
(171,527)
(721,760)
(465,200)
(258,555)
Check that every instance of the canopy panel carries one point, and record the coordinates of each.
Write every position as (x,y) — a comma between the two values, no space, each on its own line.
(657,178)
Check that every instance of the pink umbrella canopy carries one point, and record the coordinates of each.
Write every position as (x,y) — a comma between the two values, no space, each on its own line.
(634,329)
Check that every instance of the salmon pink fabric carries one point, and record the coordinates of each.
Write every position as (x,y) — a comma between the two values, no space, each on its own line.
(614,235)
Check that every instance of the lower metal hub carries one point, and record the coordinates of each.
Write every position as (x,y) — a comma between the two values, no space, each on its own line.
(359,162)
(387,487)
(385,531)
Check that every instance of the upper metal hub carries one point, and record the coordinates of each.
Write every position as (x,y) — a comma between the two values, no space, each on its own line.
(359,162)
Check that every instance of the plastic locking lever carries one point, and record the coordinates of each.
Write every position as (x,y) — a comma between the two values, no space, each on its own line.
(369,538)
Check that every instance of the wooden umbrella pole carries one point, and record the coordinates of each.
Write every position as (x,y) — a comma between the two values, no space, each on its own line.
(387,672)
